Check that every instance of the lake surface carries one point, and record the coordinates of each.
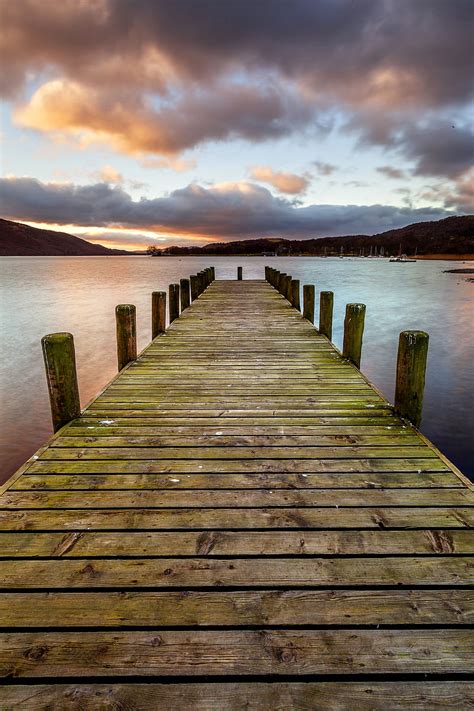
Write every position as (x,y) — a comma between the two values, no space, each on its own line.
(42,295)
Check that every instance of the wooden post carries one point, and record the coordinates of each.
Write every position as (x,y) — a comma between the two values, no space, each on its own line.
(60,364)
(158,313)
(201,282)
(185,293)
(353,332)
(281,282)
(213,273)
(173,291)
(326,304)
(411,367)
(295,293)
(239,273)
(287,292)
(308,302)
(126,327)
(209,276)
(193,279)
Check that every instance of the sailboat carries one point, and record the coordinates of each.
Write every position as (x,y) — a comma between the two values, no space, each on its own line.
(402,258)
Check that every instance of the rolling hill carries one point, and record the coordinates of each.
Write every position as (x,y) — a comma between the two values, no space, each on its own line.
(19,240)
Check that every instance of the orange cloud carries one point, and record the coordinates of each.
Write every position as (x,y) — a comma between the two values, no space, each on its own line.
(131,125)
(289,183)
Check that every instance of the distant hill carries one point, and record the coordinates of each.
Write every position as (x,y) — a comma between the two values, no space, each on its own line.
(451,236)
(19,240)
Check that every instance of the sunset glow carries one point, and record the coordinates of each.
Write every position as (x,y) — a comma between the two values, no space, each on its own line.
(124,124)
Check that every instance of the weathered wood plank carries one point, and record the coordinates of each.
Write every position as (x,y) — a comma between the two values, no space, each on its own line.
(235,543)
(236,518)
(251,480)
(428,571)
(237,608)
(330,696)
(255,653)
(252,498)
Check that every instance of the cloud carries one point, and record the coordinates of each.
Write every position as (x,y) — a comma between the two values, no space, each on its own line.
(391,172)
(159,77)
(131,125)
(108,174)
(229,211)
(289,183)
(324,168)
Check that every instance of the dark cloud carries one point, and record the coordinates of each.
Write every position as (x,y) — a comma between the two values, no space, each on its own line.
(386,46)
(229,211)
(172,74)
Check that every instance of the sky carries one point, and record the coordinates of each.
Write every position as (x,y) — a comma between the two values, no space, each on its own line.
(159,122)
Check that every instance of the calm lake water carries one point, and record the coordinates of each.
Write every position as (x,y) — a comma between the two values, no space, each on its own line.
(41,295)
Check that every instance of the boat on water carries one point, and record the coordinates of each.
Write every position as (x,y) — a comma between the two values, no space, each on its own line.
(403,259)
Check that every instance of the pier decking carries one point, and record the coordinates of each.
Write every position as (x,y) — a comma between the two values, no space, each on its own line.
(240,521)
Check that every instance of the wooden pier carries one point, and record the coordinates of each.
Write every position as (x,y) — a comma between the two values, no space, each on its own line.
(238,521)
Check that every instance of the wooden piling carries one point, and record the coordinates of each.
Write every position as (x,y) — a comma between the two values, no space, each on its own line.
(326,306)
(213,273)
(239,273)
(287,288)
(60,364)
(158,313)
(295,293)
(194,282)
(411,367)
(353,332)
(281,282)
(126,328)
(173,291)
(185,294)
(308,302)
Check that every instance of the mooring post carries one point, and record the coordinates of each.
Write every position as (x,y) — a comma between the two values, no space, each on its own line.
(213,273)
(158,313)
(193,280)
(185,293)
(61,375)
(411,368)
(326,305)
(173,291)
(308,302)
(209,276)
(281,282)
(295,293)
(126,327)
(202,281)
(287,293)
(239,273)
(353,332)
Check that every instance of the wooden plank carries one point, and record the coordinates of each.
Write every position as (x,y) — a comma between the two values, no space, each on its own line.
(428,571)
(330,696)
(220,439)
(255,653)
(277,466)
(251,498)
(84,544)
(236,518)
(237,608)
(252,480)
(253,453)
